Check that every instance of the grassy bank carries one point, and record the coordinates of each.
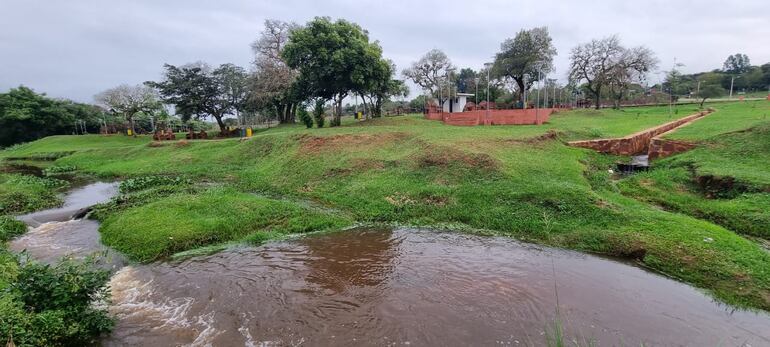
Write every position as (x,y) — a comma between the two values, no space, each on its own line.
(521,181)
(23,193)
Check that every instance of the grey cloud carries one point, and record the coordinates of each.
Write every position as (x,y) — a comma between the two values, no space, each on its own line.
(77,48)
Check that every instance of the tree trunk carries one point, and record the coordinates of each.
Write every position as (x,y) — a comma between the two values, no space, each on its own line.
(363,100)
(520,84)
(598,98)
(220,123)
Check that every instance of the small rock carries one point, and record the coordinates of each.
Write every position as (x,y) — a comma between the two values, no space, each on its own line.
(708,240)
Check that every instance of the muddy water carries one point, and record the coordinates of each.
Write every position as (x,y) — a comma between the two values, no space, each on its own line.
(53,234)
(383,287)
(388,287)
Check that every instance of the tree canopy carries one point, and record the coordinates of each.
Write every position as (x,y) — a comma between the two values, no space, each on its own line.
(525,58)
(126,101)
(606,63)
(26,116)
(736,64)
(333,60)
(198,92)
(431,73)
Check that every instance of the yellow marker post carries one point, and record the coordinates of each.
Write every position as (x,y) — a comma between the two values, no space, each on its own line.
(248,132)
(130,133)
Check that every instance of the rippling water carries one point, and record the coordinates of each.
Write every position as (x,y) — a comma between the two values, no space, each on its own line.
(389,288)
(381,287)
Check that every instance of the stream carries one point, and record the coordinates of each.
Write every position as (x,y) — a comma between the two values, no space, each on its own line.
(389,287)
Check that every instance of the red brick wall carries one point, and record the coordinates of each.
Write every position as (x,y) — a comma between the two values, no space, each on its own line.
(635,143)
(661,148)
(494,117)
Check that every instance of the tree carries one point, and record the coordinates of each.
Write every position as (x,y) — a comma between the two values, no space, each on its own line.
(466,81)
(333,59)
(27,116)
(273,83)
(736,64)
(318,113)
(630,67)
(598,63)
(198,92)
(709,91)
(234,83)
(525,58)
(431,72)
(305,117)
(127,101)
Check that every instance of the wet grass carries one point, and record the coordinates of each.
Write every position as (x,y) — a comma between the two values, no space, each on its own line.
(185,221)
(22,193)
(511,180)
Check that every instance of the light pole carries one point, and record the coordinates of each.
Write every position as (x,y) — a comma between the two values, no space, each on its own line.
(537,102)
(732,81)
(489,67)
(477,91)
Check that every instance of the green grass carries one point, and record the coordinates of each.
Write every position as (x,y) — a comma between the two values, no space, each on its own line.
(409,170)
(730,117)
(65,143)
(183,221)
(675,189)
(743,155)
(22,194)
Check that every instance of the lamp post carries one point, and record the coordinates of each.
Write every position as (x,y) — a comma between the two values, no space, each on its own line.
(489,67)
(537,102)
(477,91)
(732,81)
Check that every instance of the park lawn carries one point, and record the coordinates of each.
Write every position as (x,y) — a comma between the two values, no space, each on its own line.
(186,221)
(729,117)
(69,143)
(508,180)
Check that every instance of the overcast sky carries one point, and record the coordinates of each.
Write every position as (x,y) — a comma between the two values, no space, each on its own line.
(77,48)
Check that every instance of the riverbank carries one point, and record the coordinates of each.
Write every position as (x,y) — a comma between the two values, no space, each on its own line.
(520,181)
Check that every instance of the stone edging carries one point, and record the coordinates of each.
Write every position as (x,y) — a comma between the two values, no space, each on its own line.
(643,141)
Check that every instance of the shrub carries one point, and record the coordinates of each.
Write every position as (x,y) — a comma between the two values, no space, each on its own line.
(48,305)
(144,182)
(318,113)
(10,228)
(304,116)
(53,170)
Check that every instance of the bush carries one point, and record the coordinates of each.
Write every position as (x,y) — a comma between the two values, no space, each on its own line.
(318,113)
(53,170)
(10,228)
(304,116)
(48,305)
(22,194)
(144,182)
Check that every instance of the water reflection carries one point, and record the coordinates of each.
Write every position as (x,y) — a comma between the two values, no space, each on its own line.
(368,287)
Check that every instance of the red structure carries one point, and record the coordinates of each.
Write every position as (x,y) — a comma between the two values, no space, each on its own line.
(493,117)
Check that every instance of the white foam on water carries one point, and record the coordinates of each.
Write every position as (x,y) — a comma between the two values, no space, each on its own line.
(133,298)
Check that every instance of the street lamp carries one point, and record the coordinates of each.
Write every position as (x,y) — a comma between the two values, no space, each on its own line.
(489,67)
(477,91)
(732,81)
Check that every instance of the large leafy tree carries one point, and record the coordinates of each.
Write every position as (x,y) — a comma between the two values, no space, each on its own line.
(199,92)
(127,101)
(273,87)
(26,116)
(525,58)
(431,73)
(333,60)
(737,64)
(598,64)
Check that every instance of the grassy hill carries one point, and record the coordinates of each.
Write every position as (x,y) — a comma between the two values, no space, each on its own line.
(521,181)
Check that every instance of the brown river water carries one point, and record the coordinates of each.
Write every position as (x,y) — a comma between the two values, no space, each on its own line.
(396,287)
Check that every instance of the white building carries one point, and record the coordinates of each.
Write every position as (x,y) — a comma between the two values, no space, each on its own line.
(456,103)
